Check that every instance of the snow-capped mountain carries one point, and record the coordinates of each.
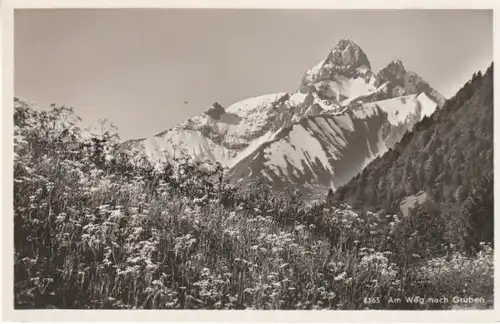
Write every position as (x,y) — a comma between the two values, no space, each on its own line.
(342,116)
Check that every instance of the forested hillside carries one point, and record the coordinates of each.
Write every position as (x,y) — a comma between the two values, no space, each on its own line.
(448,158)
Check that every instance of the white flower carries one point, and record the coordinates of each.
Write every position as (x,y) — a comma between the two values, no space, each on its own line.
(341,276)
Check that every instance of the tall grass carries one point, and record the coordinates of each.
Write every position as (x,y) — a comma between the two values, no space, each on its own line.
(95,228)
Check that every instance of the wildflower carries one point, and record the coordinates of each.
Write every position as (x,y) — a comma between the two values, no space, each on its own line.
(341,276)
(61,217)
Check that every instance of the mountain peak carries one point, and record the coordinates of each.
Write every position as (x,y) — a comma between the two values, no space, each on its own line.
(395,68)
(341,115)
(346,59)
(396,64)
(344,43)
(404,82)
(217,105)
(215,111)
(347,53)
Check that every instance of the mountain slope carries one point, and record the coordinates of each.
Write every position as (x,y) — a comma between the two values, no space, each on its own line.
(325,151)
(448,157)
(221,135)
(312,137)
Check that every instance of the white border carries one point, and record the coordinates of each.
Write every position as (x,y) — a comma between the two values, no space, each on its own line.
(6,247)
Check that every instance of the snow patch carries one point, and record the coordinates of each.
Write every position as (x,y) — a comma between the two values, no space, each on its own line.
(332,130)
(365,112)
(349,87)
(397,109)
(244,107)
(253,145)
(303,144)
(313,72)
(297,98)
(329,134)
(428,106)
(348,101)
(193,144)
(372,156)
(345,122)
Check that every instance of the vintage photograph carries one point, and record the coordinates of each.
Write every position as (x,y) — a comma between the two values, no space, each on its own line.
(253,159)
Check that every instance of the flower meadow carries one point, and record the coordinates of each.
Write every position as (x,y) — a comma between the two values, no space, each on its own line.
(95,228)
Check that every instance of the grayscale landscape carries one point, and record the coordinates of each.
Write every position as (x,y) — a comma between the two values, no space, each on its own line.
(260,159)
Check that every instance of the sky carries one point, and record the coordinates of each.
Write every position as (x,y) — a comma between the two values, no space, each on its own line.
(147,70)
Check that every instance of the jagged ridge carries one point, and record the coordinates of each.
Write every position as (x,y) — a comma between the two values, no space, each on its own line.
(247,137)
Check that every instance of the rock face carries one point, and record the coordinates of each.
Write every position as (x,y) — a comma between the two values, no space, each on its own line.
(346,59)
(401,82)
(342,117)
